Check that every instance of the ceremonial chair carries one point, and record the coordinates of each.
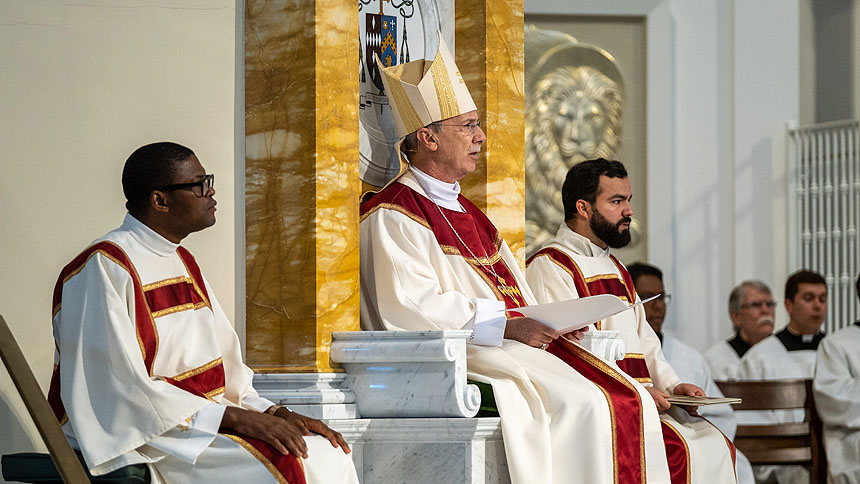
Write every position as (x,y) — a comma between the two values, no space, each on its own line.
(782,443)
(63,464)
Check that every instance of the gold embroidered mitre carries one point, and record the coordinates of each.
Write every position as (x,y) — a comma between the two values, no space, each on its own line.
(422,92)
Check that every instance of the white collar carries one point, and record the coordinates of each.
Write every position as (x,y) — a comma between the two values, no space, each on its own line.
(579,243)
(148,237)
(444,194)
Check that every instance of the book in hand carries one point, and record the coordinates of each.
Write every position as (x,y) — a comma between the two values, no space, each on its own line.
(573,314)
(701,401)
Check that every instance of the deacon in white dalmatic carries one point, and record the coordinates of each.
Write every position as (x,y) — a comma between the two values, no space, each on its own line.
(577,263)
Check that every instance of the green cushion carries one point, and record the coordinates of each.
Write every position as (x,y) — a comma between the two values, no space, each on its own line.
(39,468)
(488,400)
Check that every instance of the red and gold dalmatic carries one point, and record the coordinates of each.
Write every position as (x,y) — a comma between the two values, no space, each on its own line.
(570,267)
(419,273)
(145,355)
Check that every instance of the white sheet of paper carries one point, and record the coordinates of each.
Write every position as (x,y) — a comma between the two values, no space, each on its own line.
(573,314)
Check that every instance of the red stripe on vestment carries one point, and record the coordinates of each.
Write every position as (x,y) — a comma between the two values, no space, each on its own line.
(285,468)
(477,232)
(625,408)
(202,383)
(173,296)
(193,271)
(628,279)
(147,335)
(677,453)
(566,263)
(634,367)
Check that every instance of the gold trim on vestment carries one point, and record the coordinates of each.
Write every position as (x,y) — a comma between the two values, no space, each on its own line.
(214,393)
(194,283)
(448,106)
(614,433)
(176,309)
(486,278)
(612,372)
(396,208)
(260,457)
(165,282)
(81,267)
(686,447)
(643,379)
(451,250)
(635,356)
(199,369)
(601,277)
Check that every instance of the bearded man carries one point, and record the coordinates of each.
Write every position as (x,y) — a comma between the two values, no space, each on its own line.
(578,263)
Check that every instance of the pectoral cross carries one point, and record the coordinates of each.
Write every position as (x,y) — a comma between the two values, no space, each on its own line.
(511,291)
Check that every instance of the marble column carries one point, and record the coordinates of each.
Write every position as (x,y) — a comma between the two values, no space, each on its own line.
(301,181)
(489,52)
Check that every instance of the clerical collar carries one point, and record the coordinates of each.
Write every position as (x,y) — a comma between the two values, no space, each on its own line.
(148,237)
(441,193)
(579,243)
(740,346)
(797,342)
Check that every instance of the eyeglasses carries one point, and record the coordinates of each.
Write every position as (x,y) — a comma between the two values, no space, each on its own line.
(470,126)
(205,184)
(664,298)
(758,305)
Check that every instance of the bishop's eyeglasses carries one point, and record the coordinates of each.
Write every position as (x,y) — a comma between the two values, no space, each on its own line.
(664,298)
(205,184)
(471,126)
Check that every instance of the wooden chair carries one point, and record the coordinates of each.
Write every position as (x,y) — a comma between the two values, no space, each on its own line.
(34,467)
(783,443)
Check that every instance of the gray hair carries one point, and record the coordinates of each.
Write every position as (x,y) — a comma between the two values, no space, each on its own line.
(410,143)
(736,296)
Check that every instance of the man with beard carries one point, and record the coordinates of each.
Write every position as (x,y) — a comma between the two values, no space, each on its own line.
(788,354)
(751,309)
(578,263)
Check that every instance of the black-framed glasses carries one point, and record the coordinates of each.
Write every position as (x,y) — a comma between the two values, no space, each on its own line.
(665,298)
(472,126)
(205,184)
(758,305)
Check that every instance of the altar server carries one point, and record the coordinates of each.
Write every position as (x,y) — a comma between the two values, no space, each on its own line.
(578,263)
(431,260)
(149,370)
(837,396)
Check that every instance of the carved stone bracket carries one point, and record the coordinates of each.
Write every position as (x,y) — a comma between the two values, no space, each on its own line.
(605,344)
(407,373)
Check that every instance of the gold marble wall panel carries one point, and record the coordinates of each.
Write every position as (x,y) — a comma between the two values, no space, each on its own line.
(301,186)
(489,52)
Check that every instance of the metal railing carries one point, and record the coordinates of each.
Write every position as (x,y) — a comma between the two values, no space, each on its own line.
(824,207)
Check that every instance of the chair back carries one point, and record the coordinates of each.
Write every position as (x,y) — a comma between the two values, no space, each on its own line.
(780,443)
(63,455)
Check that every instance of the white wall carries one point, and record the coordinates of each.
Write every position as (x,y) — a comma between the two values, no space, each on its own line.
(81,87)
(722,81)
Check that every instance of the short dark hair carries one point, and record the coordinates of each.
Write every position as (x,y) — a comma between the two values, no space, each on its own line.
(583,181)
(801,277)
(148,168)
(639,269)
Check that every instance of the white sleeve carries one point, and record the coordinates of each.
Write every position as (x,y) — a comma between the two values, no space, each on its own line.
(488,324)
(187,441)
(836,386)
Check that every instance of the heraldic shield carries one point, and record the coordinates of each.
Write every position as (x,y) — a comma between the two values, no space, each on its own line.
(381,39)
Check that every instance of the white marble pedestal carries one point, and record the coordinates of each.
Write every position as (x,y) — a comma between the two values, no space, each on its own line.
(426,450)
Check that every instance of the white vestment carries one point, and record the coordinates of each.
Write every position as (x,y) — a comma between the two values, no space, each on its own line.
(710,453)
(147,363)
(556,424)
(723,361)
(770,360)
(837,397)
(691,368)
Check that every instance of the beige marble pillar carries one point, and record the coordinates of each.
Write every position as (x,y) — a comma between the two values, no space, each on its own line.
(489,52)
(301,180)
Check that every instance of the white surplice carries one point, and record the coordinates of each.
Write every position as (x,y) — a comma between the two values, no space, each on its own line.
(120,412)
(723,361)
(837,396)
(710,455)
(556,424)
